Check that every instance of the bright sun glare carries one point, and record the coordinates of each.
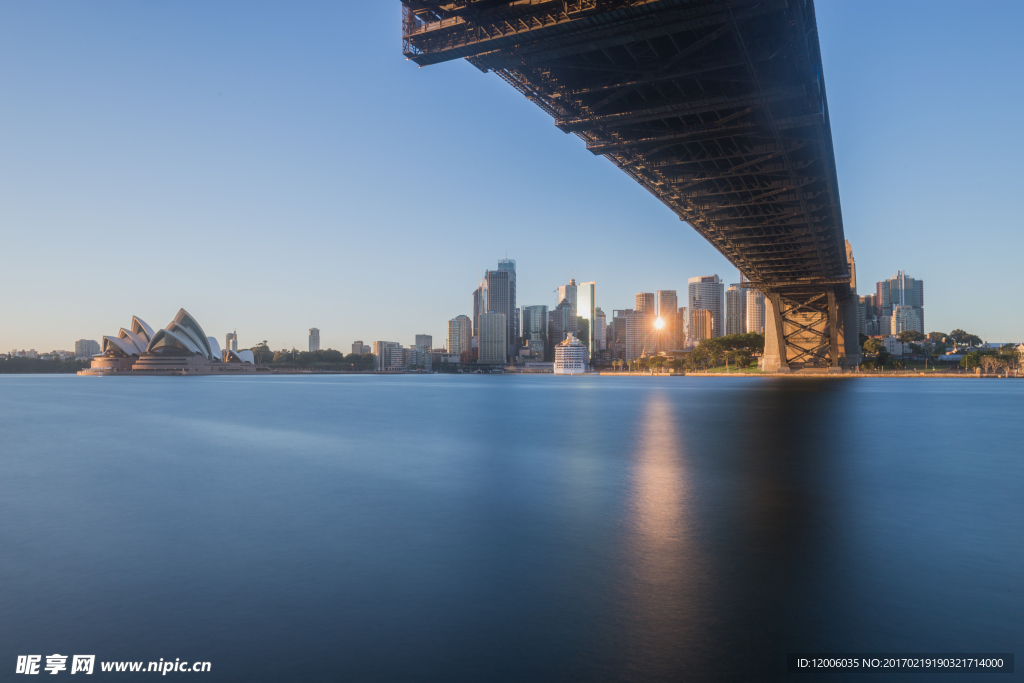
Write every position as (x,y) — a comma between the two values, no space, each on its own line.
(659,323)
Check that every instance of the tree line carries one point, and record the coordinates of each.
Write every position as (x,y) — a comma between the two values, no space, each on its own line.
(20,365)
(321,359)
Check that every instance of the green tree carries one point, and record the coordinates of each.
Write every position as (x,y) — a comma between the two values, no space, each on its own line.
(744,358)
(261,353)
(701,356)
(963,338)
(873,346)
(908,336)
(971,360)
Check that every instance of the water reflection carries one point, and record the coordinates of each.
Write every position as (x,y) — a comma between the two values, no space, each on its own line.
(664,569)
(732,512)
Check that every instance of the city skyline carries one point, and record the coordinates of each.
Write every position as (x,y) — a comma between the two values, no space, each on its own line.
(240,147)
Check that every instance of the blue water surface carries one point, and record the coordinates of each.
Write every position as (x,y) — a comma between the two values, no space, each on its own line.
(508,528)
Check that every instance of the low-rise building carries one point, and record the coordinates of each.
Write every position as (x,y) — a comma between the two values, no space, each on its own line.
(382,355)
(894,346)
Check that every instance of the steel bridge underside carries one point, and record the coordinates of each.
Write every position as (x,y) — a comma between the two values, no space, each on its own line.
(717,108)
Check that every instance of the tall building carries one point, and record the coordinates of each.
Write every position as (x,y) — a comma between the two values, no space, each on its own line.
(86,348)
(867,315)
(535,326)
(460,337)
(493,338)
(735,310)
(386,354)
(906,318)
(601,327)
(586,308)
(512,315)
(314,339)
(667,304)
(899,291)
(568,293)
(561,321)
(424,340)
(231,341)
(702,325)
(682,328)
(706,292)
(646,303)
(358,346)
(619,332)
(479,304)
(639,334)
(755,312)
(501,298)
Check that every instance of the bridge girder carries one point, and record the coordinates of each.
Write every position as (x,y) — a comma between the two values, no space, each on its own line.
(717,108)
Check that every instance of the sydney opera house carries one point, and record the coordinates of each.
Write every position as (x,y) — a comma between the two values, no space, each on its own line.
(181,348)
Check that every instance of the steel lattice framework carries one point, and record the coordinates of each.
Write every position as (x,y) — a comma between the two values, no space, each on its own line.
(717,108)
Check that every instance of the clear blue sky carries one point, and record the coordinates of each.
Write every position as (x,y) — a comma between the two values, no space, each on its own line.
(273,167)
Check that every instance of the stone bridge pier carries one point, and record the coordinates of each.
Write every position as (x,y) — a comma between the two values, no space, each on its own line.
(810,332)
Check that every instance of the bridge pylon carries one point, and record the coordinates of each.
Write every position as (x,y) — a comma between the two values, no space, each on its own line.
(812,327)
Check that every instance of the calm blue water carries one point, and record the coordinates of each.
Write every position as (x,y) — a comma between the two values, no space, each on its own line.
(481,528)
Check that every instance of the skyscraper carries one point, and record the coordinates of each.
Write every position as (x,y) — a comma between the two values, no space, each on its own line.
(667,305)
(460,337)
(755,312)
(424,340)
(231,341)
(900,291)
(735,310)
(619,332)
(493,338)
(568,293)
(682,328)
(702,325)
(639,334)
(501,298)
(535,326)
(867,315)
(586,308)
(601,329)
(479,304)
(646,303)
(357,348)
(706,293)
(453,342)
(512,315)
(561,322)
(314,339)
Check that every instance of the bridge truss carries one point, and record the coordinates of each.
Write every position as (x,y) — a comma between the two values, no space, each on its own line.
(717,108)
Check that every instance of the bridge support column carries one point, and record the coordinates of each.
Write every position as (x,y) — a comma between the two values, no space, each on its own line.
(851,356)
(805,331)
(774,357)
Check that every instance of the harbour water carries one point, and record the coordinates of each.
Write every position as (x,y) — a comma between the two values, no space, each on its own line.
(508,528)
